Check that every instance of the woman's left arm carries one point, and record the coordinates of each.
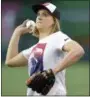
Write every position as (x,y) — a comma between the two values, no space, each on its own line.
(75,52)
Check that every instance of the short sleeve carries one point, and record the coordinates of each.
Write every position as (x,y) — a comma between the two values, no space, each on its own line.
(62,39)
(27,52)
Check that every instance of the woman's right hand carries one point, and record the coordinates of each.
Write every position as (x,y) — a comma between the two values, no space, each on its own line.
(13,58)
(22,29)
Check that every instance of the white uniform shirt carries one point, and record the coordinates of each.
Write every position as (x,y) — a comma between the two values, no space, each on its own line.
(46,54)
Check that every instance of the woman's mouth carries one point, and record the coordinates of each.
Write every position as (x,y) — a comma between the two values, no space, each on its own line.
(38,22)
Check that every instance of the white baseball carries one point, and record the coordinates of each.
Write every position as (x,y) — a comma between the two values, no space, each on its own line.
(30,24)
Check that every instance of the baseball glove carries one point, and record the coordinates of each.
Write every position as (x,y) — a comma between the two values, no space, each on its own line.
(41,82)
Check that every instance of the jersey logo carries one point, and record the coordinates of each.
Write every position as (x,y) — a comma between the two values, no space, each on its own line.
(66,39)
(36,58)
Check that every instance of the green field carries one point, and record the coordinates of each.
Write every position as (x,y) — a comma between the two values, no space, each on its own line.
(77,80)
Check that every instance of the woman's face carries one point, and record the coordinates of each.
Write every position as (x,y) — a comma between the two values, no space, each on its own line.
(44,19)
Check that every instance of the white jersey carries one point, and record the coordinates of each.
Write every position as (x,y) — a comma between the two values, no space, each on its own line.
(46,54)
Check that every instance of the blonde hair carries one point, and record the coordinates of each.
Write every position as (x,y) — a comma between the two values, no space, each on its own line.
(55,28)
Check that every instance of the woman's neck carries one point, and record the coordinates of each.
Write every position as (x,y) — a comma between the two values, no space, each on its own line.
(44,33)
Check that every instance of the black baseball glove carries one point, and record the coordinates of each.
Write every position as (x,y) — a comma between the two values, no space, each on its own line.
(41,82)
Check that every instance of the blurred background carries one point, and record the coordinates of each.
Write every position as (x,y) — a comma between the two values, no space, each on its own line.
(74,22)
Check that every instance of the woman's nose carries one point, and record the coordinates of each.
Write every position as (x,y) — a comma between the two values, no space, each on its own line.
(39,18)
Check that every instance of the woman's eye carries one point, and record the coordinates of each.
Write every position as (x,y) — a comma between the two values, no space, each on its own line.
(45,14)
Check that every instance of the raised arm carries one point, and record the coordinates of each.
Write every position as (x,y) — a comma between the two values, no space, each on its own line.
(13,57)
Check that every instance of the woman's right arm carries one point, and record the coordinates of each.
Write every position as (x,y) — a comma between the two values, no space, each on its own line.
(13,57)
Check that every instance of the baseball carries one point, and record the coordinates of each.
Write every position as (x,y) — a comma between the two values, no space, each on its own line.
(30,24)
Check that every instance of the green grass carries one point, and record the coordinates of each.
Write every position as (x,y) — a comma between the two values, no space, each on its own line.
(77,80)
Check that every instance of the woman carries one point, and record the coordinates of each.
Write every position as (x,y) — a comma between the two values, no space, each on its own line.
(54,49)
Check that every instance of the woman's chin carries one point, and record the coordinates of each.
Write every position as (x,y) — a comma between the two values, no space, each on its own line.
(39,27)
